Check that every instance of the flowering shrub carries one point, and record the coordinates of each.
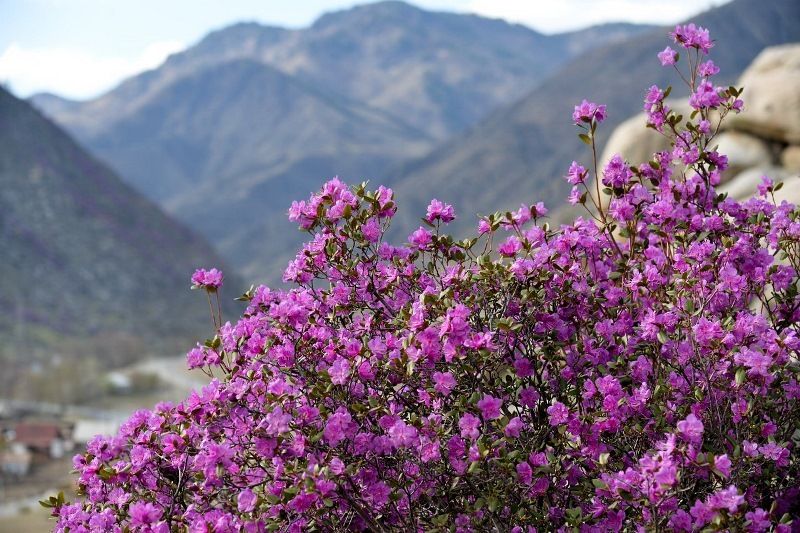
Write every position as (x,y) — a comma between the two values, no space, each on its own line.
(638,370)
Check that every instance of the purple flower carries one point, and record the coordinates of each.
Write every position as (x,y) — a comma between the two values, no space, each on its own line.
(469,424)
(668,56)
(144,513)
(616,174)
(514,427)
(440,211)
(723,465)
(691,429)
(371,230)
(490,407)
(691,36)
(576,174)
(403,435)
(421,238)
(246,501)
(587,112)
(558,413)
(337,427)
(708,69)
(524,473)
(727,499)
(445,382)
(339,371)
(211,280)
(510,247)
(705,96)
(765,186)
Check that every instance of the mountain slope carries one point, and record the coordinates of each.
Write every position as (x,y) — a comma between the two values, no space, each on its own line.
(83,254)
(439,71)
(232,145)
(227,133)
(520,152)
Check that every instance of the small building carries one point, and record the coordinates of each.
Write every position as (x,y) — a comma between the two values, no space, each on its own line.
(43,438)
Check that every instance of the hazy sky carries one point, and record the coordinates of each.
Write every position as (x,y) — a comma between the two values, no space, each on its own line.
(80,48)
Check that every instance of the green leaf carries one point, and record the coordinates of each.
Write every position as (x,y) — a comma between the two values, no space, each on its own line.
(585,138)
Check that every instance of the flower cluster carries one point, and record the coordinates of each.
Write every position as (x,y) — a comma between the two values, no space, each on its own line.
(636,369)
(211,280)
(588,112)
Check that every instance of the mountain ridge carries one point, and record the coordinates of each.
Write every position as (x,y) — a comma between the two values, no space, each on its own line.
(218,136)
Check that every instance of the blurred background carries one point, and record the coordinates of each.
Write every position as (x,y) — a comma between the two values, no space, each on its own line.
(140,140)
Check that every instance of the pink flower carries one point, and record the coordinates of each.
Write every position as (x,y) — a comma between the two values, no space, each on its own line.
(445,382)
(765,185)
(691,36)
(705,96)
(144,513)
(403,435)
(490,407)
(511,246)
(723,465)
(691,429)
(576,174)
(708,69)
(558,413)
(211,280)
(337,428)
(668,56)
(246,501)
(371,230)
(514,427)
(339,371)
(421,238)
(587,112)
(469,424)
(440,211)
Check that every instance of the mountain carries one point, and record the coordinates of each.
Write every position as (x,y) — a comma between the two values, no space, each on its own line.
(520,152)
(228,148)
(84,255)
(225,134)
(439,71)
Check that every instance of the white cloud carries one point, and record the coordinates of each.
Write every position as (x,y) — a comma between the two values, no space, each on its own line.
(72,72)
(561,15)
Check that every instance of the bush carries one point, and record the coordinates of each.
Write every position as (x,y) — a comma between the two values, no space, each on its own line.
(638,370)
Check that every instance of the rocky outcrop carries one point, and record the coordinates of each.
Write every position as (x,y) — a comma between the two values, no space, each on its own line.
(772,95)
(763,140)
(743,150)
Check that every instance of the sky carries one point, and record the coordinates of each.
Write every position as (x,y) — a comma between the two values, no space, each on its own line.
(81,48)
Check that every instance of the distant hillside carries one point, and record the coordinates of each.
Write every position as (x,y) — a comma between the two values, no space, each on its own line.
(227,133)
(228,148)
(84,255)
(440,72)
(520,152)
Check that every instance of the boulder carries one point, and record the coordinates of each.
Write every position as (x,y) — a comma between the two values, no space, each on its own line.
(743,151)
(790,158)
(772,95)
(635,143)
(790,190)
(744,185)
